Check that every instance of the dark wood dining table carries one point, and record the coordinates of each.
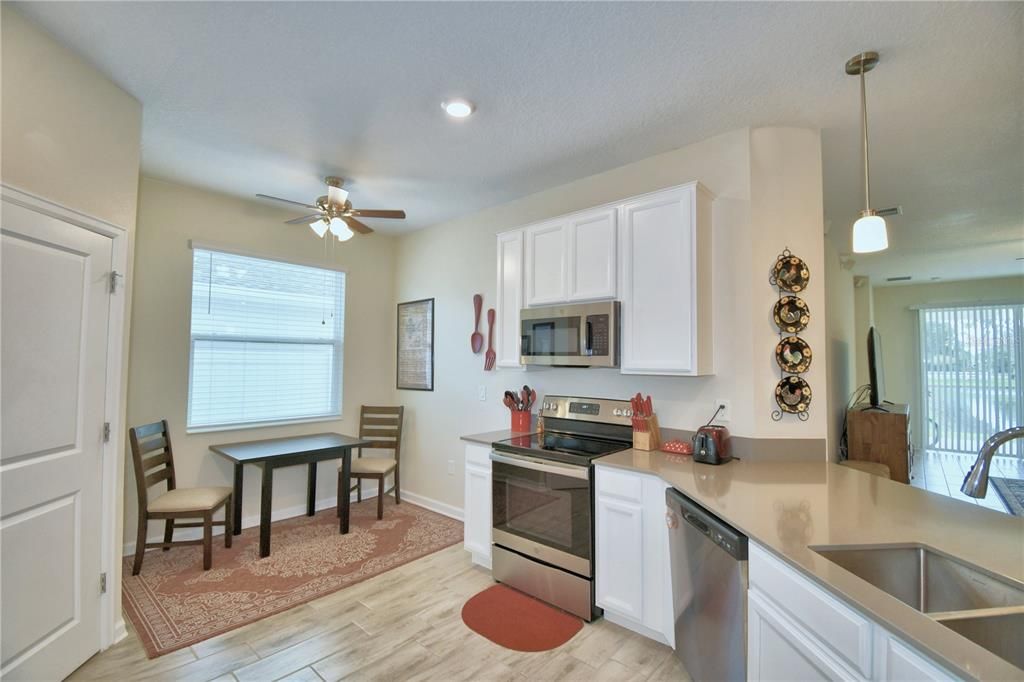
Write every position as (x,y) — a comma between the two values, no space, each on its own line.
(274,453)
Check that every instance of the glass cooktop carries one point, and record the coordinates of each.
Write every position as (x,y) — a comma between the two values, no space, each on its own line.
(566,447)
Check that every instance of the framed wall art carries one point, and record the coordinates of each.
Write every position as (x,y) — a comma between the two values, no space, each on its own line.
(415,352)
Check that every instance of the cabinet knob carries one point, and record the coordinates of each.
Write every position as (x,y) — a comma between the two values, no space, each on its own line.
(671,520)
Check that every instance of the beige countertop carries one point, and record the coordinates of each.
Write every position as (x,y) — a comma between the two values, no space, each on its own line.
(789,507)
(489,437)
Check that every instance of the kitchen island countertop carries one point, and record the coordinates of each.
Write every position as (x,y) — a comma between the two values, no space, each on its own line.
(790,507)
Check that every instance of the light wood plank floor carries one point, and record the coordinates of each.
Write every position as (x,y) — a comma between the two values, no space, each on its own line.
(405,624)
(944,472)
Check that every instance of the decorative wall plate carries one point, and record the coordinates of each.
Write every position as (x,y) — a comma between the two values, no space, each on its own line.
(793,355)
(791,273)
(793,395)
(791,314)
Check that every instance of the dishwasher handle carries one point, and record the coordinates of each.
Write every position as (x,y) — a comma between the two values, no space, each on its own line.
(707,524)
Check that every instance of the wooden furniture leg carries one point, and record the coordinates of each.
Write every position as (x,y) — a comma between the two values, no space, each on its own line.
(311,490)
(168,533)
(398,494)
(380,498)
(236,501)
(140,543)
(346,484)
(207,541)
(228,522)
(266,498)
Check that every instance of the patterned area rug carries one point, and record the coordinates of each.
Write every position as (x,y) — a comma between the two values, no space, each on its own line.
(1012,492)
(173,603)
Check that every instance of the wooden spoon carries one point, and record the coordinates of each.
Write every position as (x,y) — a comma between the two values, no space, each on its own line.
(476,339)
(490,356)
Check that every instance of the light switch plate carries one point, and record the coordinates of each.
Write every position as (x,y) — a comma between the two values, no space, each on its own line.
(481,392)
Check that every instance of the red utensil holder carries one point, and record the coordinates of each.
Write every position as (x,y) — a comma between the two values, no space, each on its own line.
(521,421)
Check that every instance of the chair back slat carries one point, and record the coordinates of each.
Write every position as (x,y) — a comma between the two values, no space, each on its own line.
(154,478)
(151,448)
(383,427)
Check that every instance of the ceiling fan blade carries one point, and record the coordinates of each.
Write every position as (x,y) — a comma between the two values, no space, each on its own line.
(373,213)
(304,220)
(287,201)
(356,225)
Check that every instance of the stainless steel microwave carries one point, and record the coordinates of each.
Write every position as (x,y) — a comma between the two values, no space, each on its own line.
(580,335)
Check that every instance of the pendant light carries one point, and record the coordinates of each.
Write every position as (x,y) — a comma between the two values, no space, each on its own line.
(869,232)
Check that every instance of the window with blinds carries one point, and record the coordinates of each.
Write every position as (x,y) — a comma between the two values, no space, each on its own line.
(266,341)
(972,373)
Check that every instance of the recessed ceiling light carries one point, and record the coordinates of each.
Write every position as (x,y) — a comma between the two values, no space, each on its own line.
(458,108)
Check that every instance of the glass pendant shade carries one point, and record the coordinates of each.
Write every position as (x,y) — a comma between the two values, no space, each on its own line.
(319,226)
(341,230)
(869,234)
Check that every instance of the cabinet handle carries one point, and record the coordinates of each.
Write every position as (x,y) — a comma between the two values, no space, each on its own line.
(671,520)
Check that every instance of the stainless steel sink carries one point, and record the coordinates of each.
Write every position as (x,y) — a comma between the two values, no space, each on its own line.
(985,608)
(928,580)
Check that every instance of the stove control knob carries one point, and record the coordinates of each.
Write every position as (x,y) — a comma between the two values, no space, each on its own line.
(617,412)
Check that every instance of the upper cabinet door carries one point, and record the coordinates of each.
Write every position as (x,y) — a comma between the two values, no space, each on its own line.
(592,252)
(546,257)
(510,299)
(665,282)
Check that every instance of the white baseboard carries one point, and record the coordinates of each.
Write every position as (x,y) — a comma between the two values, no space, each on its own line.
(298,510)
(120,631)
(433,505)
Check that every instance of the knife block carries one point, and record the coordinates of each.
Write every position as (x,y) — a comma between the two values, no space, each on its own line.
(650,439)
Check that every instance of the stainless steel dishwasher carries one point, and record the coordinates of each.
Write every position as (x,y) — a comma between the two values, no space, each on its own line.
(709,591)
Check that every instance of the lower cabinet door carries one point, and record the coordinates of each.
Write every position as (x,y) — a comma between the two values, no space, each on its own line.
(896,661)
(778,649)
(619,540)
(477,512)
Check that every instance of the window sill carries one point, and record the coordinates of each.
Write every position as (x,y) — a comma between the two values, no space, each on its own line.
(260,425)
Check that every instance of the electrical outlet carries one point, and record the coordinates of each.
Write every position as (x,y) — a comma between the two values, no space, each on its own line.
(481,392)
(725,414)
(451,467)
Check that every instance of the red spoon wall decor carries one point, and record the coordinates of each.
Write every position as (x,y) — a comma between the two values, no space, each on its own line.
(476,340)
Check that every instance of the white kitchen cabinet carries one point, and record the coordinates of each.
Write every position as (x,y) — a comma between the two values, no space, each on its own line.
(592,265)
(777,649)
(896,661)
(632,573)
(796,629)
(476,521)
(546,263)
(665,282)
(510,299)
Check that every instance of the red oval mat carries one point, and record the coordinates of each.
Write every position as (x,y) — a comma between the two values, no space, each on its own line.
(517,621)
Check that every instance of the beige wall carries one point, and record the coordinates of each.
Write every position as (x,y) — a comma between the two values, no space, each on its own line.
(897,324)
(169,216)
(455,260)
(71,136)
(842,343)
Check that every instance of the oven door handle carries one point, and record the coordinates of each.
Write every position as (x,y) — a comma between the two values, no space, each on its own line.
(534,464)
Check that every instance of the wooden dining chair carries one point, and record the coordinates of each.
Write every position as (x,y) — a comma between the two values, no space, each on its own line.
(151,450)
(383,427)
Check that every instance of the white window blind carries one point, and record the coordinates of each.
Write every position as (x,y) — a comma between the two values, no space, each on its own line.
(266,341)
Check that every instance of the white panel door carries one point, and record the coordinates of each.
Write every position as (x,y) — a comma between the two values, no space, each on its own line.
(55,306)
(510,299)
(476,522)
(546,263)
(658,283)
(592,248)
(618,571)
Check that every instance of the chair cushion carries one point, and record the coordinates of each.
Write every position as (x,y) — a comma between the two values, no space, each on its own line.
(371,465)
(189,499)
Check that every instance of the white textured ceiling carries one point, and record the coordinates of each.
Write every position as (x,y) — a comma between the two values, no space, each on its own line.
(269,97)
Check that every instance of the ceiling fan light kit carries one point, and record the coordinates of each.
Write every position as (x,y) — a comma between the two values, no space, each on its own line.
(869,232)
(335,214)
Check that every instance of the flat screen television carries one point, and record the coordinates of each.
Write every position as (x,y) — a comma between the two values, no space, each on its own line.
(875,373)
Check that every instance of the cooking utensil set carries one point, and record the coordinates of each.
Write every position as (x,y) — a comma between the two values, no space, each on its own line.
(521,402)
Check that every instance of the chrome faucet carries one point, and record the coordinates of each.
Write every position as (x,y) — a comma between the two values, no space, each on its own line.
(976,481)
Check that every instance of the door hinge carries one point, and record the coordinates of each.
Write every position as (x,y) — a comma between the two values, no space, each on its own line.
(106,432)
(114,275)
(103,583)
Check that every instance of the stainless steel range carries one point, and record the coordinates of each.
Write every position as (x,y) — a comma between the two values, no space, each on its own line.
(543,500)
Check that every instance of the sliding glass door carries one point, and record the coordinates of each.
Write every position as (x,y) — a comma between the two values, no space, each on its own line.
(971,376)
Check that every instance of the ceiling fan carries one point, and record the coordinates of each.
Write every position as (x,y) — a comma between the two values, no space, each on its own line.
(335,214)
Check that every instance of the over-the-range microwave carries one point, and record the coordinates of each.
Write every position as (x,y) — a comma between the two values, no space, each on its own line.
(578,335)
